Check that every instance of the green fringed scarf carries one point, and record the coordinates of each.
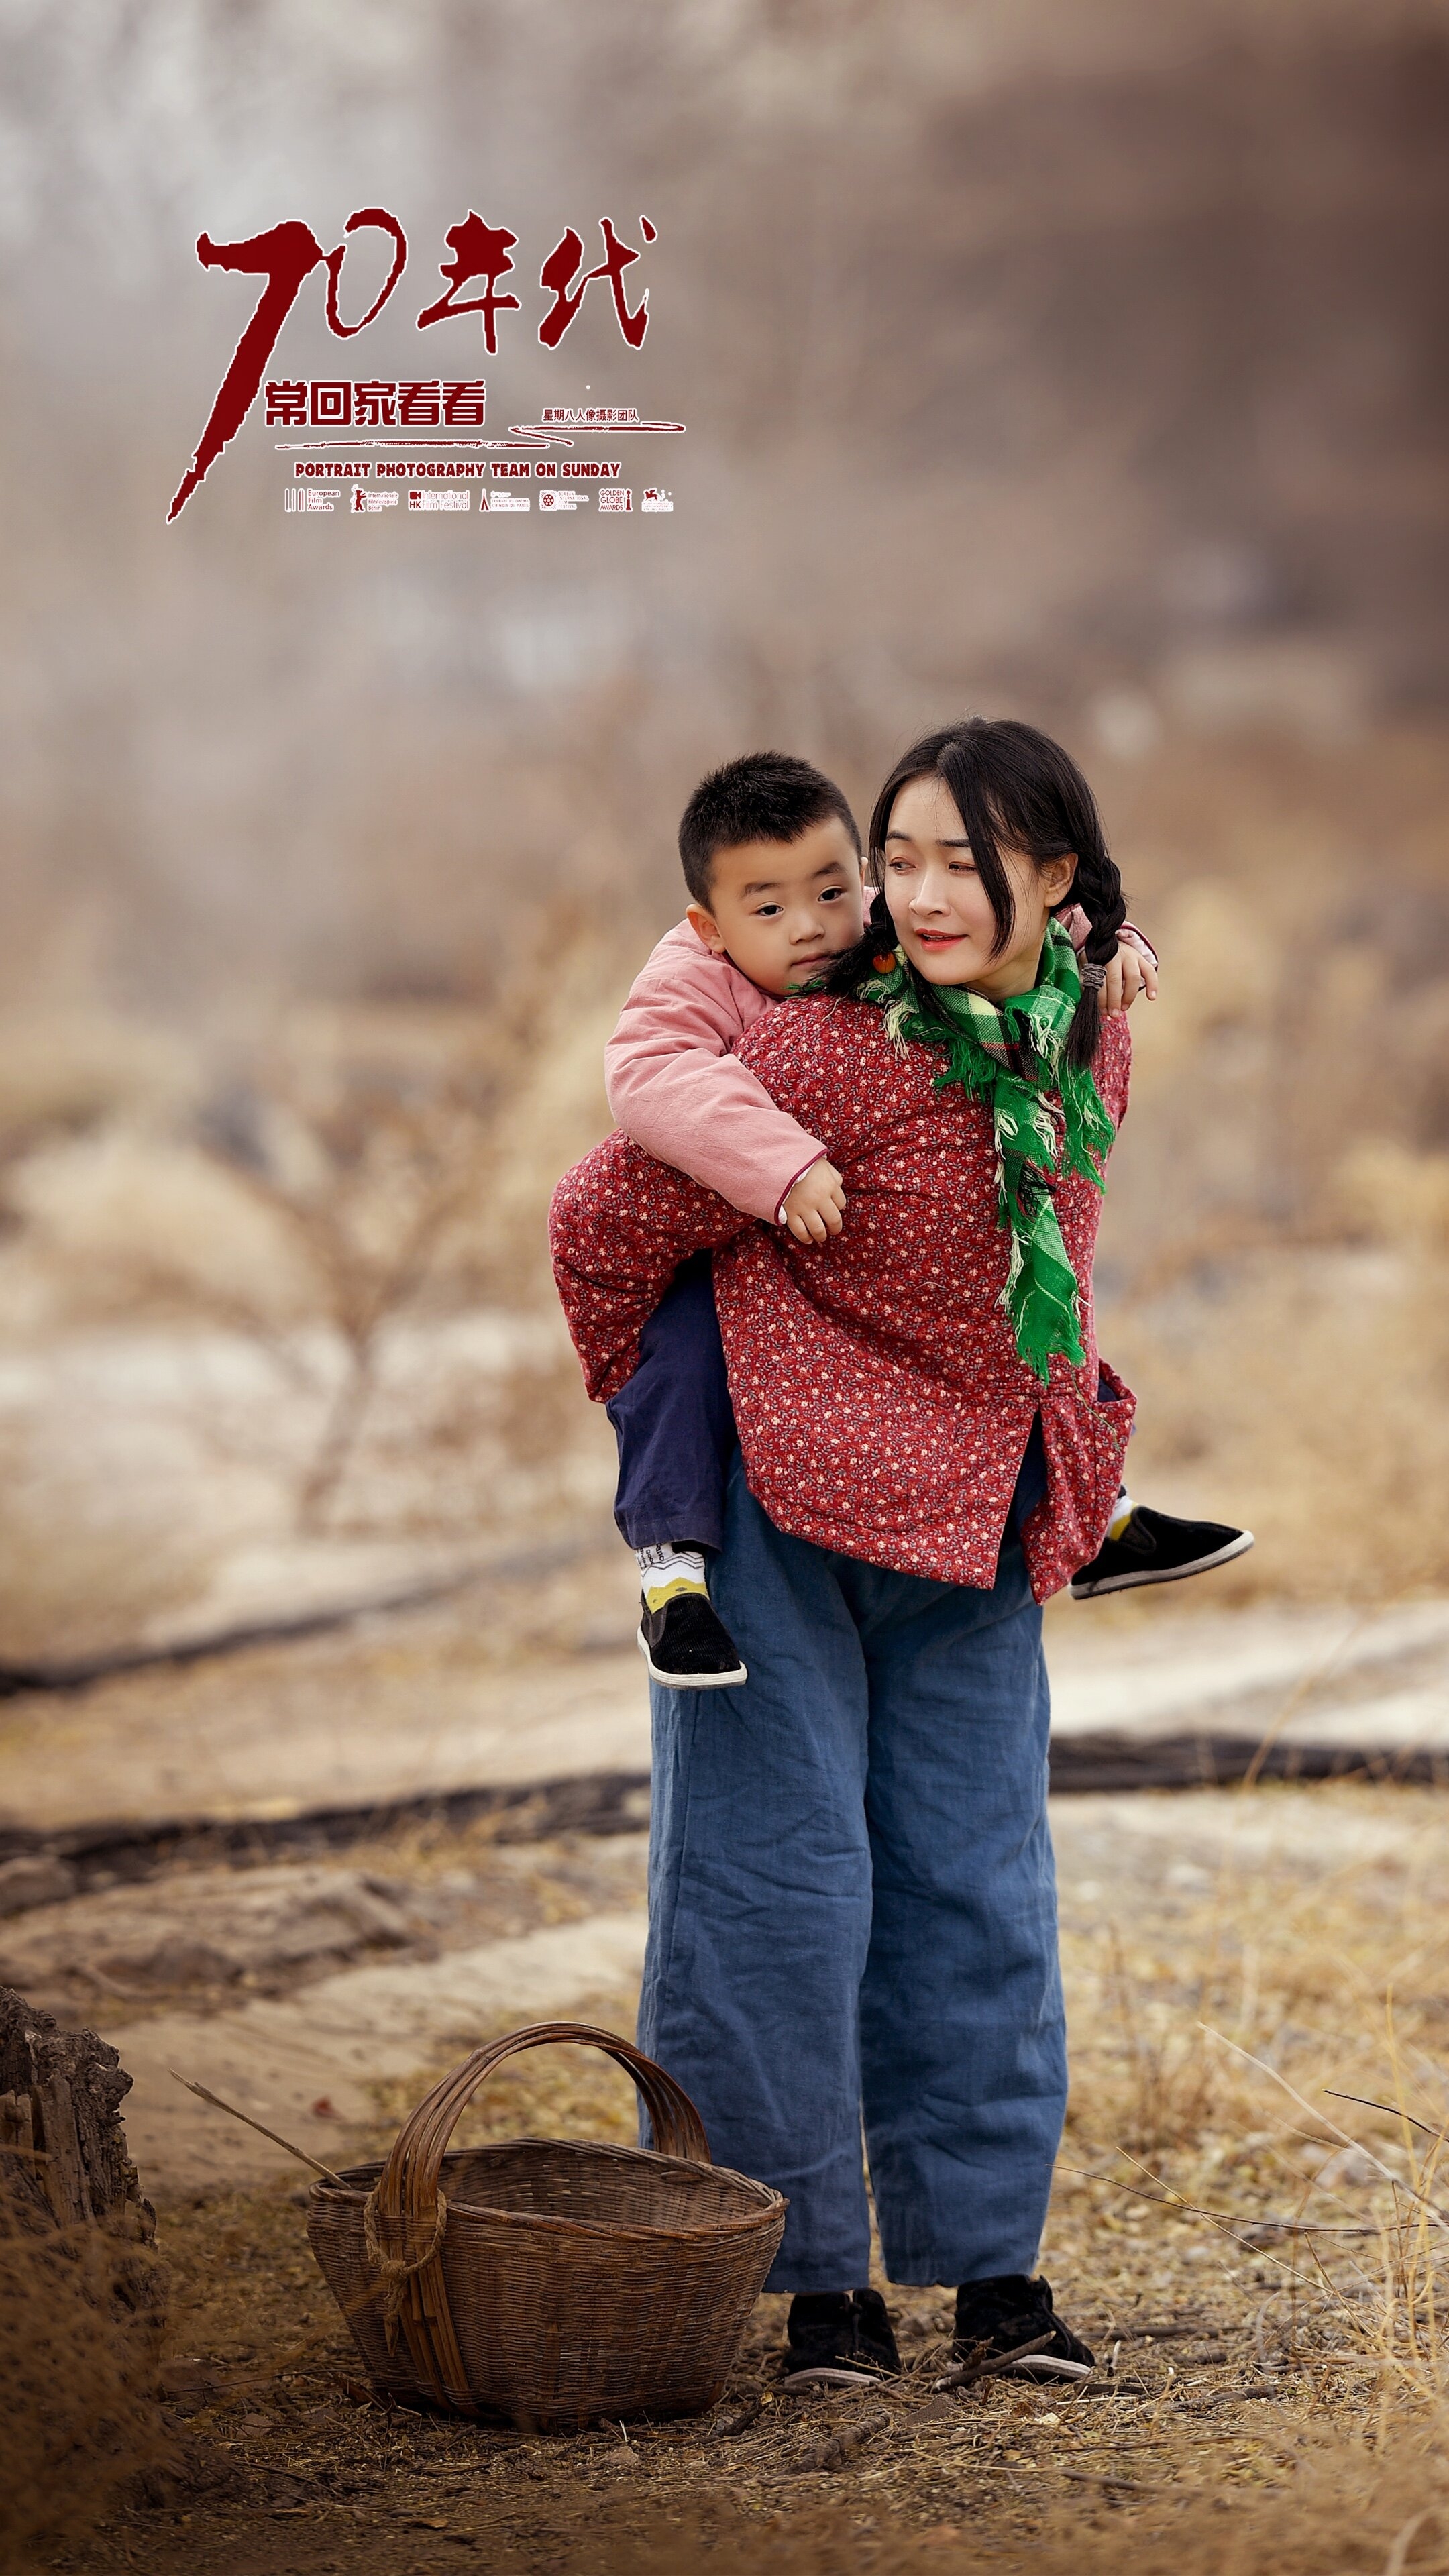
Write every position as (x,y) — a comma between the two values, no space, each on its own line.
(1048,1118)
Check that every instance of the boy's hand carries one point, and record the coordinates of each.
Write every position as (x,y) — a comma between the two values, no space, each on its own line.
(812,1209)
(1129,974)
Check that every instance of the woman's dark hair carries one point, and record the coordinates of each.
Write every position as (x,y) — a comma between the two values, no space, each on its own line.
(1013,788)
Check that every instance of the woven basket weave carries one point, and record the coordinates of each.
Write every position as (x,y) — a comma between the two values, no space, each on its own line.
(550,2281)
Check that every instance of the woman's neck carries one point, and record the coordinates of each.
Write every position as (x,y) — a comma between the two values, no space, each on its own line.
(1009,982)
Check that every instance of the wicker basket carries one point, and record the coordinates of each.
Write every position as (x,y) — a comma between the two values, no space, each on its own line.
(548,2281)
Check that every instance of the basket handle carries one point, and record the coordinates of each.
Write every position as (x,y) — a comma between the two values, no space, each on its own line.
(408,2183)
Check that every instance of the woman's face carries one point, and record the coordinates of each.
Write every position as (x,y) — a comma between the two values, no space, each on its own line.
(941,909)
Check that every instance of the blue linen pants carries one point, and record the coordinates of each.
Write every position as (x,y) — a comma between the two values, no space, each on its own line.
(852,1908)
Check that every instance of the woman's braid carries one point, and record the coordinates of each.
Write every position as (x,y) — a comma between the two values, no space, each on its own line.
(1098,889)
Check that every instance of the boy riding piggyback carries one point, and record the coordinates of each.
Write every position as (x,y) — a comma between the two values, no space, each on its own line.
(772,864)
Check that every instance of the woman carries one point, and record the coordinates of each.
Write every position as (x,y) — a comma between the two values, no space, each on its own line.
(851,1899)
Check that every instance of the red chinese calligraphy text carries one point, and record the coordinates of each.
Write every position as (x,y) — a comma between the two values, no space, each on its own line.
(285,256)
(464,405)
(480,250)
(374,404)
(287,403)
(560,268)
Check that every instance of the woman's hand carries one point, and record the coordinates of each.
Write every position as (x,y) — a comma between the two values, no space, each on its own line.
(812,1206)
(1129,974)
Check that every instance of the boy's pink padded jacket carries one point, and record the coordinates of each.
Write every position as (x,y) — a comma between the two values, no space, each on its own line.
(676,1087)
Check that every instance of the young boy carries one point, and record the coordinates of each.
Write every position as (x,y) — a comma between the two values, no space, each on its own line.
(772,862)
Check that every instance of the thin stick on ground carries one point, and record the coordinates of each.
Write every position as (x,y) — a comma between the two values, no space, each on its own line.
(277,2140)
(1391,2111)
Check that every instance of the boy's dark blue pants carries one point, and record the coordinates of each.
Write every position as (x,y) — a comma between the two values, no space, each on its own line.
(676,1428)
(674,1423)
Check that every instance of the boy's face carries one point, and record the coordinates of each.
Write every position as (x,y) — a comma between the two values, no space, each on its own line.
(778,909)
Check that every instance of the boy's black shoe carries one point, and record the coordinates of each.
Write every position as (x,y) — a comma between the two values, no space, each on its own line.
(841,2338)
(1156,1548)
(687,1646)
(1002,2315)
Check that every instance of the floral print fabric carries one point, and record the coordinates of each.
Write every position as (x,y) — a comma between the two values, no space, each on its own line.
(882,1406)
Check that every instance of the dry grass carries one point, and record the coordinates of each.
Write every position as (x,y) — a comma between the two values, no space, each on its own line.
(1271,2332)
(1275,1253)
(1306,1393)
(79,2346)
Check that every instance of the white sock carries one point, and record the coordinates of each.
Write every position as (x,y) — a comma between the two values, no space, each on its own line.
(1122,1511)
(665,1570)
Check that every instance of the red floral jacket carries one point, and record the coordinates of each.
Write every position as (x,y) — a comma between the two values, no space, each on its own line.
(882,1407)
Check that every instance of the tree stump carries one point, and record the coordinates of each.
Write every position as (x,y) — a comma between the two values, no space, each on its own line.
(62,2144)
(82,2292)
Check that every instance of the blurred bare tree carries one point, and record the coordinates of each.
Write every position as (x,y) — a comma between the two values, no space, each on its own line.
(380,1149)
(369,1178)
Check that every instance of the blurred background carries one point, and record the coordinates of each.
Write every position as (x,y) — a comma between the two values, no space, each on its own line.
(1079,362)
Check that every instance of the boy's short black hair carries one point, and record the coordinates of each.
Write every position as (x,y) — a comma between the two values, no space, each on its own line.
(765,796)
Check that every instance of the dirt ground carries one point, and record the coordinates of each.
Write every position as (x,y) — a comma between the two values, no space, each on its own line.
(1259,2294)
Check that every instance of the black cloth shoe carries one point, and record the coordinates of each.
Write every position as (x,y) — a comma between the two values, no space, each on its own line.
(687,1646)
(1156,1548)
(842,2338)
(1000,2315)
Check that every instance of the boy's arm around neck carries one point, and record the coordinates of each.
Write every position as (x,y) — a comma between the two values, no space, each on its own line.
(1079,930)
(677,1089)
(619,1227)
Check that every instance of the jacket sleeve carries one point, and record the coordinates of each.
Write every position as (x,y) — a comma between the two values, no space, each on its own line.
(1078,929)
(1129,936)
(1112,1067)
(677,1090)
(619,1226)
